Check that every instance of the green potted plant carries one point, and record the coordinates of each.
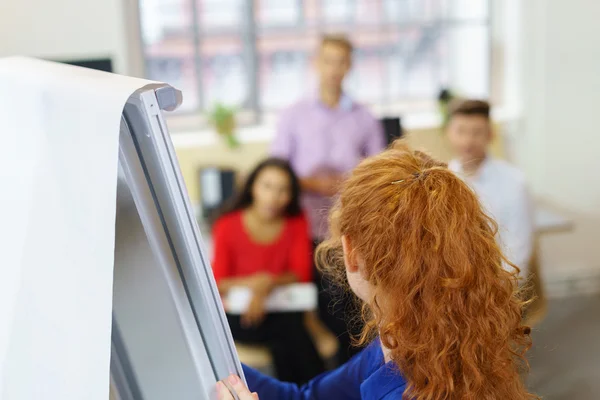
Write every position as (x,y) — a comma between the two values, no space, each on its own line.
(223,119)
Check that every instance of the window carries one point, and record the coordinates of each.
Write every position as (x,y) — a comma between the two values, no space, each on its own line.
(257,55)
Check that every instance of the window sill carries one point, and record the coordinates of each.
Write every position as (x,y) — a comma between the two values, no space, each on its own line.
(265,131)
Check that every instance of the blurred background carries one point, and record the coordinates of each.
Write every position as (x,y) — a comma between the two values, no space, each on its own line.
(535,60)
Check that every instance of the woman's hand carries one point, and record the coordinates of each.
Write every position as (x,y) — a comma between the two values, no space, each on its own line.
(238,388)
(261,283)
(256,311)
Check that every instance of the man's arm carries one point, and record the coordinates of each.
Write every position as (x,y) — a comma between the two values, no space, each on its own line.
(284,146)
(325,185)
(518,237)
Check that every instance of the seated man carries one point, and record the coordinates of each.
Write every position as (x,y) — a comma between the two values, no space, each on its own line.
(501,187)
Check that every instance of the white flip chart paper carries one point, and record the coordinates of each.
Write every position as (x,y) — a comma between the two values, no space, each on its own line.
(59,128)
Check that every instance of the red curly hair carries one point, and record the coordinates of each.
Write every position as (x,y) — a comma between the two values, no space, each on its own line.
(441,301)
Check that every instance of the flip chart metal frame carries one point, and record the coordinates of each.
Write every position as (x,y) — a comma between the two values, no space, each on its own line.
(170,333)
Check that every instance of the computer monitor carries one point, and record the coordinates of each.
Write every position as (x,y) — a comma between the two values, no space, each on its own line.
(392,128)
(100,64)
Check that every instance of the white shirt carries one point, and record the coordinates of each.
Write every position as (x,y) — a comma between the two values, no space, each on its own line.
(502,190)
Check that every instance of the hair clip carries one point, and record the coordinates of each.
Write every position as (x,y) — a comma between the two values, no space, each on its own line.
(416,176)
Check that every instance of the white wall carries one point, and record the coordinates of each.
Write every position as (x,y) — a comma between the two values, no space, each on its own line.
(65,30)
(551,74)
(558,143)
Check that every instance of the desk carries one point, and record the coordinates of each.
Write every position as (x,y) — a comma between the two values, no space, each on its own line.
(548,221)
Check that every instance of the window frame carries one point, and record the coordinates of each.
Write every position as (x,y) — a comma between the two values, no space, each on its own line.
(251,111)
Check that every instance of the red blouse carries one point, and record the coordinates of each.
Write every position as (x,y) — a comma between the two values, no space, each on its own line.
(237,255)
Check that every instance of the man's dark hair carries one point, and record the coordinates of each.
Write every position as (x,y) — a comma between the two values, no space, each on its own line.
(469,107)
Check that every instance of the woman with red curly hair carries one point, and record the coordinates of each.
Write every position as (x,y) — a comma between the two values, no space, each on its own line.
(443,316)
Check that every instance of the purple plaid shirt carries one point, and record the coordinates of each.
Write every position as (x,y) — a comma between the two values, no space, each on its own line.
(316,138)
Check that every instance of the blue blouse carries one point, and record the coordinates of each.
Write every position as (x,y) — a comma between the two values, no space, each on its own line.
(365,377)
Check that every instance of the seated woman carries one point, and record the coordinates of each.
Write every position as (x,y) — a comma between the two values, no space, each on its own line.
(413,243)
(262,242)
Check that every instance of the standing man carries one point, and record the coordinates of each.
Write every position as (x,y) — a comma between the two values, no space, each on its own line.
(501,187)
(324,137)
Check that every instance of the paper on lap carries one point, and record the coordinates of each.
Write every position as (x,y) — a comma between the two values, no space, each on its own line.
(58,163)
(288,298)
